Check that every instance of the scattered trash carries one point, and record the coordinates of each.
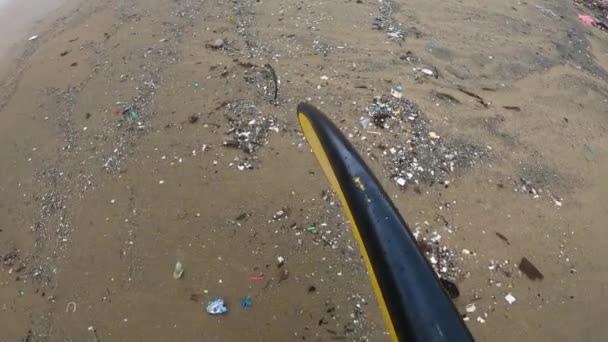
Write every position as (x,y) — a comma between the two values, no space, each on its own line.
(267,82)
(480,320)
(279,214)
(586,19)
(396,94)
(178,271)
(510,298)
(528,268)
(401,181)
(32,38)
(195,84)
(249,130)
(216,307)
(256,278)
(364,122)
(427,71)
(246,302)
(470,308)
(281,261)
(442,259)
(418,155)
(311,229)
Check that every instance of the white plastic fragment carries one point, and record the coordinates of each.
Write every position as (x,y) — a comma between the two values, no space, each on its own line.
(480,320)
(33,37)
(401,181)
(427,71)
(510,298)
(396,94)
(471,308)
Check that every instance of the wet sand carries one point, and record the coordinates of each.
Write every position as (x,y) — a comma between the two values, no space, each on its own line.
(117,129)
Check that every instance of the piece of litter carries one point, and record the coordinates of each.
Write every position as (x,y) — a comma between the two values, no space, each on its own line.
(466,251)
(427,71)
(510,298)
(281,261)
(585,19)
(480,320)
(401,181)
(161,182)
(311,228)
(433,135)
(396,94)
(216,307)
(528,268)
(324,78)
(471,308)
(178,271)
(246,302)
(33,38)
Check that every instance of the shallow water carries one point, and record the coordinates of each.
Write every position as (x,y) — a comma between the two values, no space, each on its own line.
(17,21)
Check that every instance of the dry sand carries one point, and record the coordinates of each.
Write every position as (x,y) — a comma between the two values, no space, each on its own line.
(113,125)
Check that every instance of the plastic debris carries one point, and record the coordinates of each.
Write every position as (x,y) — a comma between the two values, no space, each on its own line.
(178,271)
(470,308)
(401,181)
(279,214)
(586,19)
(33,38)
(311,228)
(246,302)
(281,261)
(510,298)
(427,71)
(216,307)
(527,268)
(396,94)
(480,320)
(256,278)
(196,84)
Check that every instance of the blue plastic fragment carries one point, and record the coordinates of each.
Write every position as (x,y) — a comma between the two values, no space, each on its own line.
(246,302)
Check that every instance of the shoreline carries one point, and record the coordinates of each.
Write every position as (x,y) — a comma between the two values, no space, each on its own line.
(22,20)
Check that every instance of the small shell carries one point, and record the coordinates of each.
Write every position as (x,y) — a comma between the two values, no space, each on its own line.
(178,271)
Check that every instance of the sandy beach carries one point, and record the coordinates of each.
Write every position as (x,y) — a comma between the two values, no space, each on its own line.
(136,134)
